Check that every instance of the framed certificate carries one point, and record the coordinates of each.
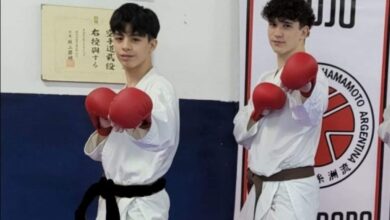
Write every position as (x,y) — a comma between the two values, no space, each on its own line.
(77,45)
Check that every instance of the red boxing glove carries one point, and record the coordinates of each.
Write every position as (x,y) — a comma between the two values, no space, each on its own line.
(267,96)
(299,70)
(97,104)
(131,108)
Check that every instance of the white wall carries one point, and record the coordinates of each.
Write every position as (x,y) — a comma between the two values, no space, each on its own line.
(197,51)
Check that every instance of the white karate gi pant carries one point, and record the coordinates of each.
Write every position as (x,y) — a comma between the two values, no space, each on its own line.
(288,200)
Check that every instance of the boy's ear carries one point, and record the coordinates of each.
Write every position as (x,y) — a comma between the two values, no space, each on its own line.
(306,31)
(153,43)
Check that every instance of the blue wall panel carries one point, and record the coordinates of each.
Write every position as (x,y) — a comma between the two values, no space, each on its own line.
(44,172)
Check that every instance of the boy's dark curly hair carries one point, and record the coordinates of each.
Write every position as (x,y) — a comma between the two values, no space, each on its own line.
(142,20)
(295,10)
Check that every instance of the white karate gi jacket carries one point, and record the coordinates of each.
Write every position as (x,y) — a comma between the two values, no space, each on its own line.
(285,138)
(135,157)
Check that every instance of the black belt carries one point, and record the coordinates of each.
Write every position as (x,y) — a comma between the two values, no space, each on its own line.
(108,190)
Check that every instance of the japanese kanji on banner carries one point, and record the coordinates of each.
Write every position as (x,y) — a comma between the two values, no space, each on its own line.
(77,45)
(350,40)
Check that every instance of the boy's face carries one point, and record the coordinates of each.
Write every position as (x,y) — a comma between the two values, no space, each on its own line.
(133,50)
(286,36)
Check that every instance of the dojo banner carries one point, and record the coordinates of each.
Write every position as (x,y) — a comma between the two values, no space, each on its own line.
(349,39)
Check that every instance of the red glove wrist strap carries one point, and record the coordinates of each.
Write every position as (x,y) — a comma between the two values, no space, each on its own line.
(104,131)
(256,117)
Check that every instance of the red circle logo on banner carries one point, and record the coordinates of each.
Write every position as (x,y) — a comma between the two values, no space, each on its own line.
(347,128)
(337,129)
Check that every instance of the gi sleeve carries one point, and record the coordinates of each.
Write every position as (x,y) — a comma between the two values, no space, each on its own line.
(311,111)
(242,135)
(384,127)
(93,149)
(164,130)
